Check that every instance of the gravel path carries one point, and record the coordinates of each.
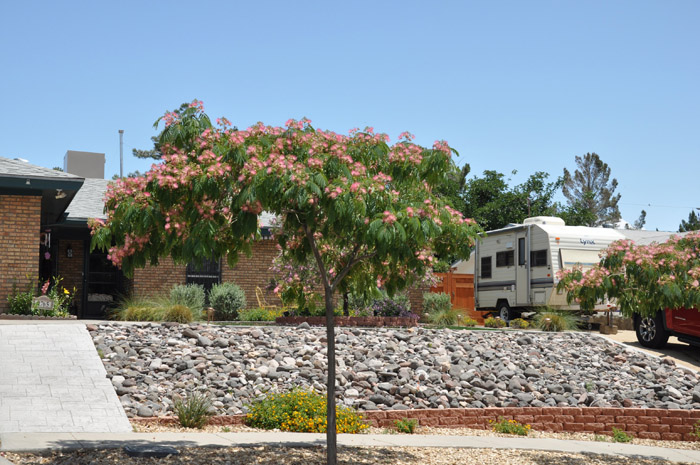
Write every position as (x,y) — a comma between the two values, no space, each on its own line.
(346,456)
(151,365)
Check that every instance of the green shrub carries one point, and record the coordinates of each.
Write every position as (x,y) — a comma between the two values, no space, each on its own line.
(519,323)
(193,412)
(406,425)
(227,299)
(620,436)
(509,427)
(434,302)
(189,295)
(441,267)
(301,411)
(20,303)
(469,322)
(178,314)
(260,314)
(491,322)
(556,321)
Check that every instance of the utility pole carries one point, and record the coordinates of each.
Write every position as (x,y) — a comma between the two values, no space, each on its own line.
(121,153)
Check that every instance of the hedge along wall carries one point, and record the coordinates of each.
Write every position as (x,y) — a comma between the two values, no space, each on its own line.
(249,273)
(20,220)
(670,425)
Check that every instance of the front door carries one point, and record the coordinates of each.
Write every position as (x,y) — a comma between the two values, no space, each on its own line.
(522,270)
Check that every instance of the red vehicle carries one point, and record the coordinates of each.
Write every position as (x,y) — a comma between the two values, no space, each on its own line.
(654,331)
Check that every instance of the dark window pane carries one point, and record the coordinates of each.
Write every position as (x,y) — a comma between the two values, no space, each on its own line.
(504,258)
(521,251)
(538,258)
(485,267)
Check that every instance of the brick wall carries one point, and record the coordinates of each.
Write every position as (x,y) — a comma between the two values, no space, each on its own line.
(20,227)
(155,280)
(670,425)
(253,272)
(71,269)
(249,273)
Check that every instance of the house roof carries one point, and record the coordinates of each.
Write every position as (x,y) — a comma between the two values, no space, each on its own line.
(88,202)
(19,174)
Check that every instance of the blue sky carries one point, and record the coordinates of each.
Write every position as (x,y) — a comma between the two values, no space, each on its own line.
(511,85)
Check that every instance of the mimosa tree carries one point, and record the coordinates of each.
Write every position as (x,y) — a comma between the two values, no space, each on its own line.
(347,203)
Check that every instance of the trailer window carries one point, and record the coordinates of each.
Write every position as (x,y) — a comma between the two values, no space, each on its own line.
(505,258)
(521,251)
(485,267)
(538,258)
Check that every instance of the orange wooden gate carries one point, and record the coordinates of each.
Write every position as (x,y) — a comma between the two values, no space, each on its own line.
(460,287)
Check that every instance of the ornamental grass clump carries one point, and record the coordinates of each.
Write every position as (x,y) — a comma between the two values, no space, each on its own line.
(194,411)
(178,314)
(302,412)
(556,321)
(509,427)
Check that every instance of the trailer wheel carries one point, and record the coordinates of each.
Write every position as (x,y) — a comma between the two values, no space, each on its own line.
(505,312)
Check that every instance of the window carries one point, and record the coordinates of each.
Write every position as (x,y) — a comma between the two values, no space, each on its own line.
(205,273)
(538,258)
(504,258)
(521,251)
(485,267)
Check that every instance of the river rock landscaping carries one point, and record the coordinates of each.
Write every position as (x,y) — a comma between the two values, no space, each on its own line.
(150,365)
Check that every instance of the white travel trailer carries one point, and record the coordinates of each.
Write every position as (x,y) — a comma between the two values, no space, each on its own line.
(515,268)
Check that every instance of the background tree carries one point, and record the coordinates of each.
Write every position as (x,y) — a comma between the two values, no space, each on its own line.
(343,191)
(641,221)
(693,223)
(590,187)
(492,203)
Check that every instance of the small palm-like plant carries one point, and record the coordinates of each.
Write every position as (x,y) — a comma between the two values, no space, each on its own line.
(193,412)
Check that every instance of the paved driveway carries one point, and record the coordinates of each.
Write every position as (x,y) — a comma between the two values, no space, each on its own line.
(52,380)
(684,354)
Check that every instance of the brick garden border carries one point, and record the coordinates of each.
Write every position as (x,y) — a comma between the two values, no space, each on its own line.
(668,425)
(367,321)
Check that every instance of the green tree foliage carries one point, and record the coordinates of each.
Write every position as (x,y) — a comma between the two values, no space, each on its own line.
(492,203)
(641,279)
(197,124)
(641,221)
(590,188)
(693,223)
(353,192)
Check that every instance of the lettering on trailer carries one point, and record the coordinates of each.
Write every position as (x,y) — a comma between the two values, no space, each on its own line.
(587,241)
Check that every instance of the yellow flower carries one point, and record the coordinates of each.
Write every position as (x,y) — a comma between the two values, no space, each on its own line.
(66,291)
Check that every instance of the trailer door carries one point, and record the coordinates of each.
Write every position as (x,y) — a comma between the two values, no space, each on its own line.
(522,269)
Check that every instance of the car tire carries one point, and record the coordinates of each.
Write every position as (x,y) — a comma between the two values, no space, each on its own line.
(651,331)
(505,312)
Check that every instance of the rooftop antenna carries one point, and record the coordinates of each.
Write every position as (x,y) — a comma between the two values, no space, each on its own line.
(121,153)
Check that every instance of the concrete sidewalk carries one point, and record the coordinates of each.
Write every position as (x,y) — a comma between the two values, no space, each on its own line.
(33,442)
(52,380)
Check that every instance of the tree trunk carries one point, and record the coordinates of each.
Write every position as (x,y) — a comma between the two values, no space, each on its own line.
(331,443)
(346,303)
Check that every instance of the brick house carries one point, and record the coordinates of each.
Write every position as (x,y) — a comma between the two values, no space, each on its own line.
(44,233)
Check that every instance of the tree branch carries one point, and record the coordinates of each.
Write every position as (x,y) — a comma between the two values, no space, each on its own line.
(317,256)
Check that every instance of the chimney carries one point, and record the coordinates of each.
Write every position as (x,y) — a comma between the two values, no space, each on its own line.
(85,164)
